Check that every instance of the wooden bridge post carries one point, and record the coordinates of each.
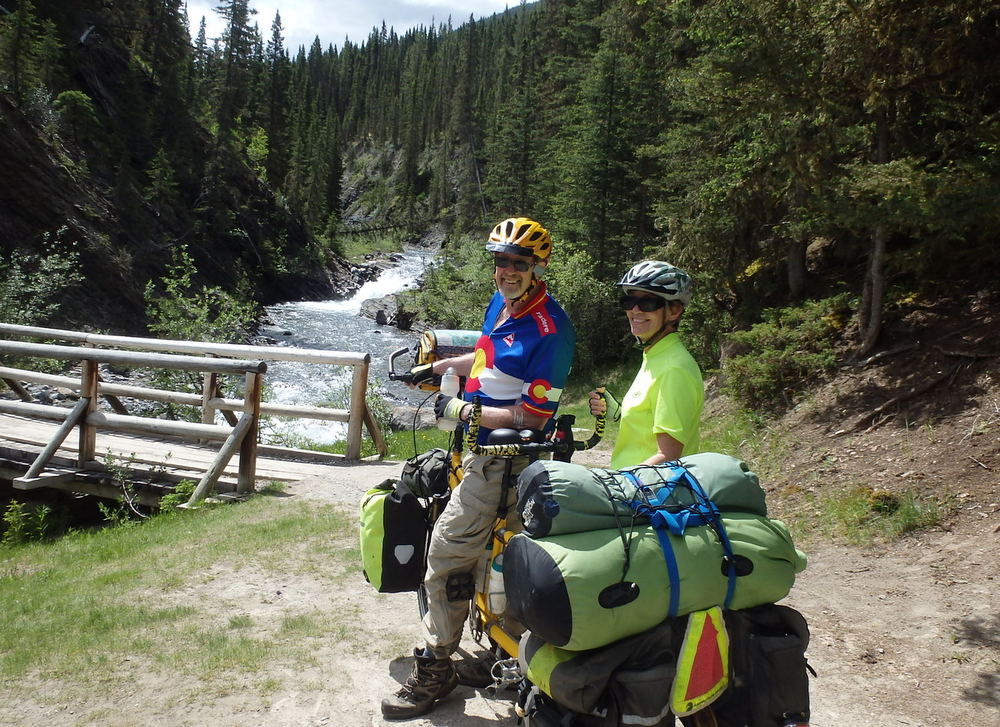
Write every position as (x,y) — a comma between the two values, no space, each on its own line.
(209,385)
(88,390)
(252,390)
(355,421)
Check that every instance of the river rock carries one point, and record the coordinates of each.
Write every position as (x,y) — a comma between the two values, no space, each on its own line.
(385,311)
(381,310)
(402,418)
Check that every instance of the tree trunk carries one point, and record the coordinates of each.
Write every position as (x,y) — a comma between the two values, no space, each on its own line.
(875,279)
(876,289)
(796,262)
(796,259)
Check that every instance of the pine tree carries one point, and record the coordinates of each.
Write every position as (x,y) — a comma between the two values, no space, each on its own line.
(77,114)
(277,80)
(513,138)
(235,76)
(27,51)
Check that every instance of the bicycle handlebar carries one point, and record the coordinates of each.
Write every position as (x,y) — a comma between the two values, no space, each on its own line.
(557,445)
(405,377)
(561,443)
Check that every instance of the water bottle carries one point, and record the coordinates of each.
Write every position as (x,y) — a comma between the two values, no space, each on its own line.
(449,387)
(496,596)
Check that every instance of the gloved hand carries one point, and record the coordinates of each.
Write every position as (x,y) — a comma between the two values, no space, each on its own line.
(603,401)
(419,374)
(598,404)
(449,407)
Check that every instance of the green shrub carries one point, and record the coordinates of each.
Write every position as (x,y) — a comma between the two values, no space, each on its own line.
(181,494)
(703,327)
(32,285)
(782,354)
(179,308)
(24,523)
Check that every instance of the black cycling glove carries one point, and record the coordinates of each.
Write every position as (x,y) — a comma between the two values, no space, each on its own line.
(421,373)
(449,407)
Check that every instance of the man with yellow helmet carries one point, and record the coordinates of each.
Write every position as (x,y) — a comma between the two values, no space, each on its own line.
(518,370)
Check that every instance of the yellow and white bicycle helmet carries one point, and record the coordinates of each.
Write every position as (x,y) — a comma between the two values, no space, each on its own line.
(520,236)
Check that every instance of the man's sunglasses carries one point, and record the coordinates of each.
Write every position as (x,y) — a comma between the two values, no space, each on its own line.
(521,266)
(646,305)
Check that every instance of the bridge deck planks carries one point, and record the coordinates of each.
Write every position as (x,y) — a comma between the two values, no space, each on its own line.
(173,455)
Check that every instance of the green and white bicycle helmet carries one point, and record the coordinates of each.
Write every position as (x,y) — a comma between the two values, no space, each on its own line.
(659,278)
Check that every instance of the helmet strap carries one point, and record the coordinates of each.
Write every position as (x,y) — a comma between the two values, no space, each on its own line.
(527,293)
(665,330)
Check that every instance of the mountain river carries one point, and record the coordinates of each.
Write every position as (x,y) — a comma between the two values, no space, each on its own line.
(337,325)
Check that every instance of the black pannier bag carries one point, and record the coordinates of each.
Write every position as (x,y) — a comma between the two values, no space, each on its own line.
(393,538)
(770,674)
(396,518)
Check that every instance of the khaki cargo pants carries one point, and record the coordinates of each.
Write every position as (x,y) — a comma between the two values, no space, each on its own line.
(458,545)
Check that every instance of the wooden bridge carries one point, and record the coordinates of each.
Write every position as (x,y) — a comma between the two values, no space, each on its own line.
(112,446)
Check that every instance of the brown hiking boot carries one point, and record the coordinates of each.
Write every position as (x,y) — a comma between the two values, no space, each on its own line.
(430,680)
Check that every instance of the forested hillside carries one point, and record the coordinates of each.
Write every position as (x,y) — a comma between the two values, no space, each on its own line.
(780,150)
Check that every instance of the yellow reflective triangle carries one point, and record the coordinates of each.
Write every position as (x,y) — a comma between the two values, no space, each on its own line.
(703,663)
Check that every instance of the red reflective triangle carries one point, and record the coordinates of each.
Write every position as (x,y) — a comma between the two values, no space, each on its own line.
(706,670)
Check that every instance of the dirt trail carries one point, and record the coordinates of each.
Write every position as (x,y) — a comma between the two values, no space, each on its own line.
(907,635)
(903,636)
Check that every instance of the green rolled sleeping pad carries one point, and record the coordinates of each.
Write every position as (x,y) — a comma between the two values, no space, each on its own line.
(573,591)
(562,497)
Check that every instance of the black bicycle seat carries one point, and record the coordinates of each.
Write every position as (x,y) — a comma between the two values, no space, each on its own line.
(507,435)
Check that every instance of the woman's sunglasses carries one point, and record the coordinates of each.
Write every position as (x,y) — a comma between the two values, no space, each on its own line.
(646,305)
(520,266)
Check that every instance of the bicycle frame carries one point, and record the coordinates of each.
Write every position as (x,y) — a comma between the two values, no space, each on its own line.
(482,620)
(561,445)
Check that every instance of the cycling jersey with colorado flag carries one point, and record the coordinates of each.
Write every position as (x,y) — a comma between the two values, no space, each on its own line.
(525,359)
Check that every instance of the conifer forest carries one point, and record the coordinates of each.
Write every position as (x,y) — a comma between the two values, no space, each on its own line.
(780,150)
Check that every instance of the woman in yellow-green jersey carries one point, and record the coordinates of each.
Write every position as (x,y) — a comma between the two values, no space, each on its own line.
(661,412)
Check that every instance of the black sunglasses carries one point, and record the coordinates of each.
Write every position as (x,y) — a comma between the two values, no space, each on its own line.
(646,305)
(520,266)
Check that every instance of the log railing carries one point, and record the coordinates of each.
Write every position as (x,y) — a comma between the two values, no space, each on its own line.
(85,417)
(357,416)
(214,359)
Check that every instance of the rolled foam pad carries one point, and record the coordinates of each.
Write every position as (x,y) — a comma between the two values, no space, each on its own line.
(563,497)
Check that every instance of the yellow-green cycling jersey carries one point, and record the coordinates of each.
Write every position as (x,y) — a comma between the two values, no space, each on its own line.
(666,397)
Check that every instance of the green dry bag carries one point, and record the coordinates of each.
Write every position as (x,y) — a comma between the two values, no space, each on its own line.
(393,538)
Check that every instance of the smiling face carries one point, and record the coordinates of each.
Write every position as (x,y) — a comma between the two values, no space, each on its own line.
(511,282)
(644,325)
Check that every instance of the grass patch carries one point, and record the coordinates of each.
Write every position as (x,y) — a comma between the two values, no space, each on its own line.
(863,516)
(145,591)
(738,433)
(240,621)
(358,248)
